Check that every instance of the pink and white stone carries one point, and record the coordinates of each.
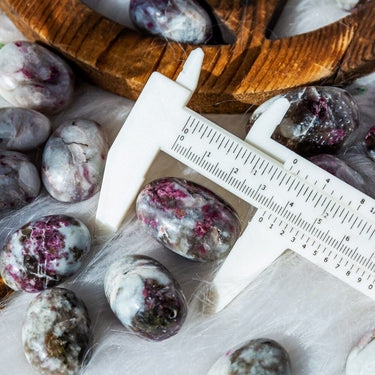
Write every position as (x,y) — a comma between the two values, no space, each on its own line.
(44,252)
(33,77)
(73,160)
(188,219)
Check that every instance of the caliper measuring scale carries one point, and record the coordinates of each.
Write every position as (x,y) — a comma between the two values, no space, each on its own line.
(299,206)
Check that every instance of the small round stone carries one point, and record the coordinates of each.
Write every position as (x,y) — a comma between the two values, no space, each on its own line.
(145,297)
(254,357)
(188,218)
(33,77)
(19,182)
(340,169)
(319,119)
(183,21)
(73,161)
(56,333)
(370,143)
(44,252)
(22,129)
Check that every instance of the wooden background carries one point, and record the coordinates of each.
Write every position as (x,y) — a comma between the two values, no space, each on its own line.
(246,71)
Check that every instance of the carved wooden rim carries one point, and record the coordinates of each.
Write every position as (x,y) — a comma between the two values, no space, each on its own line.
(233,76)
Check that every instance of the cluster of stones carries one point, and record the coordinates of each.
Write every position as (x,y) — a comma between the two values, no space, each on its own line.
(38,82)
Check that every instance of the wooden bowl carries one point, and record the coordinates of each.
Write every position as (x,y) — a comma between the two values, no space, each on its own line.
(234,76)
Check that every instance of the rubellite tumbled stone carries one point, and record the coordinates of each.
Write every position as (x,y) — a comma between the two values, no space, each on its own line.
(319,119)
(360,360)
(145,297)
(33,77)
(44,252)
(188,218)
(73,160)
(56,333)
(370,143)
(340,169)
(22,129)
(258,357)
(19,182)
(183,21)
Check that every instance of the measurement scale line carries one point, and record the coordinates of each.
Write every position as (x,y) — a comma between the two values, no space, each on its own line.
(205,129)
(209,133)
(196,125)
(200,129)
(212,138)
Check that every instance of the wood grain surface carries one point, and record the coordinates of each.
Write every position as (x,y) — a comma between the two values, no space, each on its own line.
(234,76)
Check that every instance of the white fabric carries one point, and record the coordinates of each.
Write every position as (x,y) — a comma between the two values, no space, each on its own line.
(314,316)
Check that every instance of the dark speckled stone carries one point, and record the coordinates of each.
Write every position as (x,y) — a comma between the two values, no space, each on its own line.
(33,77)
(370,143)
(44,252)
(188,219)
(56,333)
(145,297)
(19,180)
(319,119)
(254,357)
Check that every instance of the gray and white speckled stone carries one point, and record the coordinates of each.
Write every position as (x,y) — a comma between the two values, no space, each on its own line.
(145,297)
(318,121)
(33,77)
(44,252)
(73,160)
(188,219)
(19,180)
(183,21)
(56,333)
(22,129)
(254,357)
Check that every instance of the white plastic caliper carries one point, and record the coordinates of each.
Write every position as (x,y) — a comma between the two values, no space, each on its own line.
(299,206)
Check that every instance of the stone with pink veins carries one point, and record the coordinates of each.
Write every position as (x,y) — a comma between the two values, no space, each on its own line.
(33,77)
(188,219)
(44,252)
(73,160)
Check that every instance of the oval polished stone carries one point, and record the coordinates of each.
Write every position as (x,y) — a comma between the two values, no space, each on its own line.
(188,218)
(56,333)
(44,252)
(319,119)
(33,77)
(19,182)
(73,161)
(254,357)
(340,169)
(183,21)
(361,359)
(145,297)
(22,129)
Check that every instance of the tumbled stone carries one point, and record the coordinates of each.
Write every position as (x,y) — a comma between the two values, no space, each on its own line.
(188,218)
(361,358)
(319,119)
(33,77)
(22,129)
(370,143)
(44,252)
(254,357)
(183,21)
(145,297)
(56,333)
(19,180)
(73,161)
(340,169)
